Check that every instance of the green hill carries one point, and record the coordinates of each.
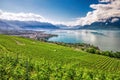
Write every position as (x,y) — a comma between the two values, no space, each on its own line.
(26,59)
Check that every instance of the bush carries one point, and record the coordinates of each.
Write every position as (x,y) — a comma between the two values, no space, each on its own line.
(106,53)
(90,50)
(97,51)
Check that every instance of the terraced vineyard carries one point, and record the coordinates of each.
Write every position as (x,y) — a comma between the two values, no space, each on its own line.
(22,58)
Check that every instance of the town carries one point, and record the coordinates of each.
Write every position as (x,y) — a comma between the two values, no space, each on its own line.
(37,35)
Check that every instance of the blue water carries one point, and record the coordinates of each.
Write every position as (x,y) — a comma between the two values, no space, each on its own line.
(104,39)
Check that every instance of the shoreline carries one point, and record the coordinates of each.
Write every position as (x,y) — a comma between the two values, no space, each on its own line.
(37,35)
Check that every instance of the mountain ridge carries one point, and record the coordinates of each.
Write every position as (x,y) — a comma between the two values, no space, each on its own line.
(15,24)
(111,23)
(108,24)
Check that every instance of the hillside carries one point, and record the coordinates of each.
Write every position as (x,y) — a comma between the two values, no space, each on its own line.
(21,25)
(23,58)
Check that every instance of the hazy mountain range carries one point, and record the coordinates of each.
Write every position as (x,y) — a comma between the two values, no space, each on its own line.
(17,25)
(111,23)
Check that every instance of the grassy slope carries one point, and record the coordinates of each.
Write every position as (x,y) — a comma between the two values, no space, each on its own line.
(56,53)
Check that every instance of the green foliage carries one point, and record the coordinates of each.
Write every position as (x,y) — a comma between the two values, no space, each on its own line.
(28,69)
(89,48)
(106,53)
(97,52)
(26,59)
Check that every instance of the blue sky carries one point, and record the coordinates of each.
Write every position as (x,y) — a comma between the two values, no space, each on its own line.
(55,10)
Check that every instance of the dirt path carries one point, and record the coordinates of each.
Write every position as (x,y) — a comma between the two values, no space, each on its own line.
(19,43)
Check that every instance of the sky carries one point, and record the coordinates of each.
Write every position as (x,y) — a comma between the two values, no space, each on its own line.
(68,12)
(56,10)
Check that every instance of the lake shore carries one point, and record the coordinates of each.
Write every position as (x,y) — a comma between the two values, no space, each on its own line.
(37,35)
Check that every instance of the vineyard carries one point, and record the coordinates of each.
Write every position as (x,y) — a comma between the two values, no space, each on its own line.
(26,59)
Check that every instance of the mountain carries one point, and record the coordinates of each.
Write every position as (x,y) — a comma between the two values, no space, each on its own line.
(16,25)
(5,25)
(62,26)
(111,23)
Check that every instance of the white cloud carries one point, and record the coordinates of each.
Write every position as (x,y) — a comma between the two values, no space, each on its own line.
(105,0)
(101,12)
(26,17)
(21,16)
(114,20)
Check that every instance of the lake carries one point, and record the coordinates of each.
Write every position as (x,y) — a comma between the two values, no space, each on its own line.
(104,39)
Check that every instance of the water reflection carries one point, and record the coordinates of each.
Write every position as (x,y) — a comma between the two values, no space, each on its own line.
(105,40)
